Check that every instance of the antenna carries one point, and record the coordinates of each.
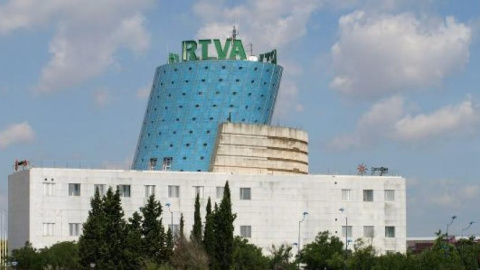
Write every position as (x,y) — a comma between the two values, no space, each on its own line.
(251,49)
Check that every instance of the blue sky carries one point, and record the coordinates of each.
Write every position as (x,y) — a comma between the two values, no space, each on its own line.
(386,83)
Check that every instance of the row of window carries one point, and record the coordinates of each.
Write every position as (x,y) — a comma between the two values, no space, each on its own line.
(369,231)
(75,189)
(368,195)
(74,229)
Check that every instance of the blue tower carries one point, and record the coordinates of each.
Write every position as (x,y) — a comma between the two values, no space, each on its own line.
(189,100)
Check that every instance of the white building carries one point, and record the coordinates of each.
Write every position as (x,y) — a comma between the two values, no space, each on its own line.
(49,205)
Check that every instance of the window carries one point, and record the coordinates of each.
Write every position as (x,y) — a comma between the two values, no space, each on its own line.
(124,190)
(246,231)
(73,189)
(198,190)
(48,189)
(245,194)
(347,231)
(167,163)
(389,232)
(389,195)
(153,163)
(101,189)
(48,229)
(74,229)
(149,190)
(346,194)
(368,231)
(368,195)
(220,192)
(173,191)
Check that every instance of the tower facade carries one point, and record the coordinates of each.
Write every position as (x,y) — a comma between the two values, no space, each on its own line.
(190,99)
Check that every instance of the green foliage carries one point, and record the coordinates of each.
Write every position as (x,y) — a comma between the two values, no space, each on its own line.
(153,233)
(247,256)
(27,257)
(62,255)
(182,227)
(316,254)
(133,246)
(280,258)
(114,233)
(209,234)
(363,258)
(223,227)
(196,234)
(189,255)
(91,243)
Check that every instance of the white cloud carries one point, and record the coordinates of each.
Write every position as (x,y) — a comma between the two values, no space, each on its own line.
(101,97)
(376,123)
(15,134)
(143,92)
(270,24)
(450,119)
(388,119)
(470,191)
(383,54)
(87,36)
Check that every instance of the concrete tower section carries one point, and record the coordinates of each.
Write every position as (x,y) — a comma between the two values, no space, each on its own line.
(189,100)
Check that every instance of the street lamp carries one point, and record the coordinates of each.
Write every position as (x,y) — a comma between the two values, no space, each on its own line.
(14,264)
(448,225)
(92,265)
(469,225)
(298,243)
(171,214)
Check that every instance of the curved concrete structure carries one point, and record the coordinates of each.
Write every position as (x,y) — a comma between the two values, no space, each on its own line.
(260,149)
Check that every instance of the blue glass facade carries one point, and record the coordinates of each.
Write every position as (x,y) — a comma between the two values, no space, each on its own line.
(189,100)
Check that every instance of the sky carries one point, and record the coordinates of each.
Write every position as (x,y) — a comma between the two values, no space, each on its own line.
(391,83)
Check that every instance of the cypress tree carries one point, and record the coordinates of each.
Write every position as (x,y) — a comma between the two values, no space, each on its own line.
(224,231)
(133,250)
(169,244)
(115,233)
(91,243)
(196,235)
(153,233)
(182,226)
(209,234)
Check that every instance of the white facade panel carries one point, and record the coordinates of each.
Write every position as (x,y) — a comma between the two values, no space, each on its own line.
(272,213)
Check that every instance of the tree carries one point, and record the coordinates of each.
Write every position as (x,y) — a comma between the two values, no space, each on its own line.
(115,233)
(189,255)
(153,233)
(247,256)
(280,258)
(91,244)
(133,247)
(363,258)
(209,233)
(27,257)
(315,255)
(182,226)
(196,234)
(224,231)
(62,255)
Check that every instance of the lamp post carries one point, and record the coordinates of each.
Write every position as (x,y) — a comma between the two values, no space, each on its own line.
(343,210)
(171,214)
(92,265)
(448,225)
(298,243)
(468,227)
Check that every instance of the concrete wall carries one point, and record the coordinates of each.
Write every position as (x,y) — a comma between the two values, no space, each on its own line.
(273,212)
(260,149)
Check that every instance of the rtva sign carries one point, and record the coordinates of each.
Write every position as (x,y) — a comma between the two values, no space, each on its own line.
(230,50)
